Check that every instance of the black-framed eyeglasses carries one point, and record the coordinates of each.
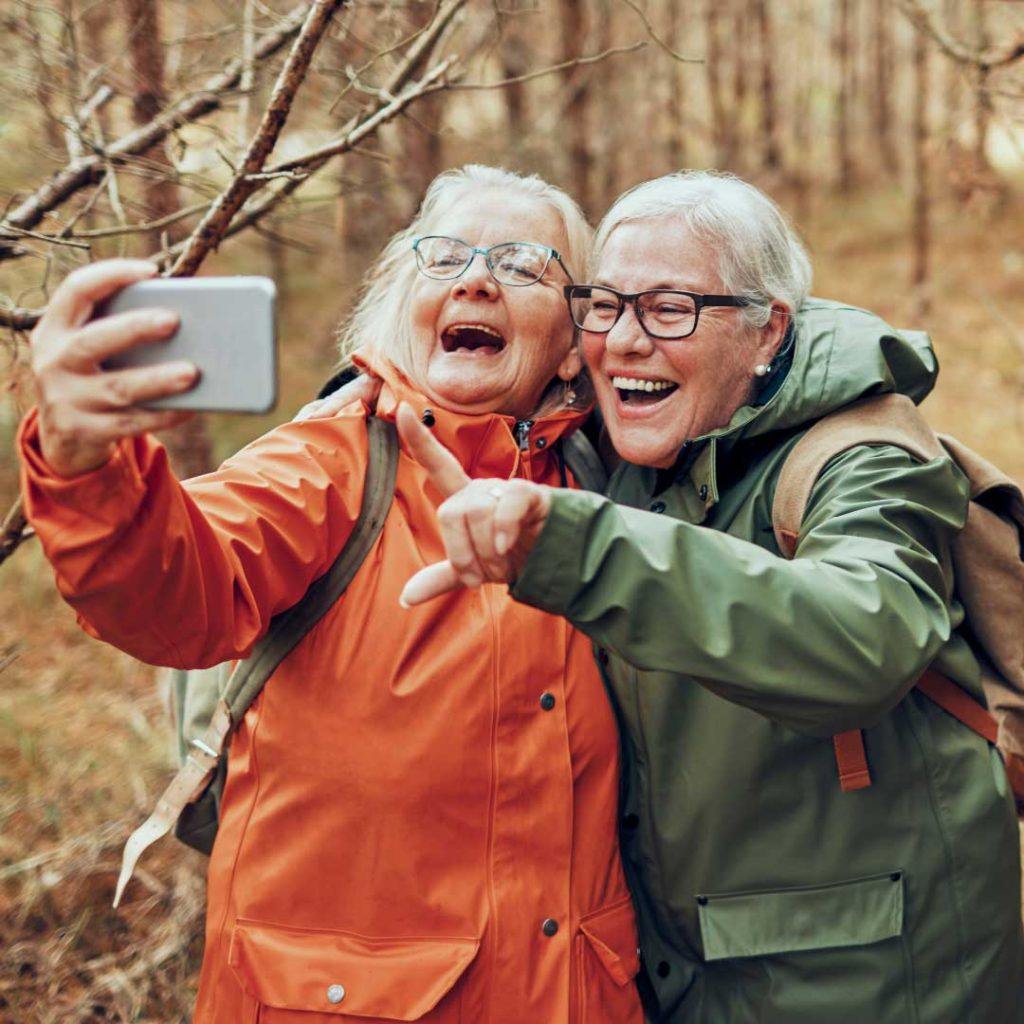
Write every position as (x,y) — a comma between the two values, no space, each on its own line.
(510,263)
(665,314)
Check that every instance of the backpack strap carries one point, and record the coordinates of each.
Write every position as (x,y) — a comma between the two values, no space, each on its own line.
(582,459)
(890,420)
(286,630)
(885,419)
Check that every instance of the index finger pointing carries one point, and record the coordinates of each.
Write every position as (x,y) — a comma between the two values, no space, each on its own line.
(444,469)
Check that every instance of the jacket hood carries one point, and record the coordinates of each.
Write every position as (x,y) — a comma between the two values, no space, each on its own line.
(840,354)
(487,444)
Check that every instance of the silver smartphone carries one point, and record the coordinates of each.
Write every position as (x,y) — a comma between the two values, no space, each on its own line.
(227,329)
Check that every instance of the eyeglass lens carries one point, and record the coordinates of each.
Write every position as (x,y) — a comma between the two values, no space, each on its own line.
(665,314)
(513,263)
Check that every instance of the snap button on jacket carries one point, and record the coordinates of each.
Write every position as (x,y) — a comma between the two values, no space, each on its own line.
(402,816)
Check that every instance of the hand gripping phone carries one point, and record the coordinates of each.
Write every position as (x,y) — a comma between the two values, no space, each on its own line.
(226,329)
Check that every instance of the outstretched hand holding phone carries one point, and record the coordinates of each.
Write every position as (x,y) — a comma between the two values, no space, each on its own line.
(83,409)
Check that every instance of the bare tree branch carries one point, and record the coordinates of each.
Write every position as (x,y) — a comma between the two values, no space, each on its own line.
(541,72)
(925,20)
(88,169)
(211,229)
(682,58)
(17,318)
(12,530)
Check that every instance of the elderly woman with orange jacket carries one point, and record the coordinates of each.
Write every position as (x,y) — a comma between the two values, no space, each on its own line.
(419,816)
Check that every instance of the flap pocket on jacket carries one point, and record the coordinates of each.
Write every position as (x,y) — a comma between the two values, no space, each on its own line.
(853,913)
(341,973)
(612,936)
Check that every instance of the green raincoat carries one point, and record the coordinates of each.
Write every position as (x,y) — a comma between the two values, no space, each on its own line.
(766,894)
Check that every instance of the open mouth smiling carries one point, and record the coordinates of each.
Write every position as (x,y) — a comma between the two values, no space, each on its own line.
(472,338)
(642,390)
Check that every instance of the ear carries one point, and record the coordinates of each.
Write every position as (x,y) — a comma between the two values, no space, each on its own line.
(771,335)
(572,364)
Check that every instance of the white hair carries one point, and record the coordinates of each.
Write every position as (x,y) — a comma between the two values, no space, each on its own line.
(380,319)
(760,256)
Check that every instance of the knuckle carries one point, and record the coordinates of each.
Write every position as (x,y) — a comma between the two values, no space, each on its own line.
(119,391)
(450,513)
(123,424)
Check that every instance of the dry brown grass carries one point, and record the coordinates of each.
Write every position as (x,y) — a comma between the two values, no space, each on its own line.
(83,732)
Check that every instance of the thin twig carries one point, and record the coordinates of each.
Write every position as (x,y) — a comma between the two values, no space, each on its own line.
(924,20)
(12,531)
(603,55)
(12,232)
(657,39)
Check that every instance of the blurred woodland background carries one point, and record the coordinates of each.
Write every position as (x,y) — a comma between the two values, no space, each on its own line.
(891,130)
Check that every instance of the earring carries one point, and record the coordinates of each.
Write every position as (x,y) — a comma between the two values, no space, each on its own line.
(570,392)
(762,369)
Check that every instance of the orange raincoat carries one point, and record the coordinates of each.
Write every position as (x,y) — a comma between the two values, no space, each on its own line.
(419,820)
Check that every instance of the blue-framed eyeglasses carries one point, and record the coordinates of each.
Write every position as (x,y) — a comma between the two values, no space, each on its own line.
(516,264)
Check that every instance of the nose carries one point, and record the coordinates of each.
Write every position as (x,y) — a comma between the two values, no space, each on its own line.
(627,337)
(476,282)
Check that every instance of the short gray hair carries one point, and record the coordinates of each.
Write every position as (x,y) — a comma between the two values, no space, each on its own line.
(759,254)
(380,318)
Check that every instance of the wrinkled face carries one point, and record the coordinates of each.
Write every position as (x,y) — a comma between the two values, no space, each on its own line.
(478,346)
(696,383)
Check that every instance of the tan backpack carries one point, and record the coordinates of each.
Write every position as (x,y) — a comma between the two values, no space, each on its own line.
(988,567)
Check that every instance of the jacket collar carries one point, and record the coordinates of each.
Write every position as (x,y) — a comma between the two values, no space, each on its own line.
(488,444)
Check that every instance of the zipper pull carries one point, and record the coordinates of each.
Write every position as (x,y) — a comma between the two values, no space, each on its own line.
(522,432)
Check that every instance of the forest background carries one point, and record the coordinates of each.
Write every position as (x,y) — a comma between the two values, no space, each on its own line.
(291,139)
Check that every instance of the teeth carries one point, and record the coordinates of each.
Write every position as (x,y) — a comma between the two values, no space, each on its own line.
(483,328)
(634,384)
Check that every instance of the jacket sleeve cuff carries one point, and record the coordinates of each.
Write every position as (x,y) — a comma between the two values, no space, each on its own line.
(551,579)
(110,494)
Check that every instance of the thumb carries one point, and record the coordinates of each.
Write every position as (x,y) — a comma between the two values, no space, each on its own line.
(428,583)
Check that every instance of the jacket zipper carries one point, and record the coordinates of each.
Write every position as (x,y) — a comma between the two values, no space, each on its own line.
(522,436)
(522,432)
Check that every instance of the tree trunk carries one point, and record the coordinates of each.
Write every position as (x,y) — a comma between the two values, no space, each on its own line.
(920,265)
(515,61)
(740,81)
(146,59)
(844,155)
(771,158)
(675,121)
(722,128)
(883,87)
(982,98)
(189,444)
(573,20)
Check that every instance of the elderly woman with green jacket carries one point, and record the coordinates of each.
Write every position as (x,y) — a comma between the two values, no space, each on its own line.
(766,894)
